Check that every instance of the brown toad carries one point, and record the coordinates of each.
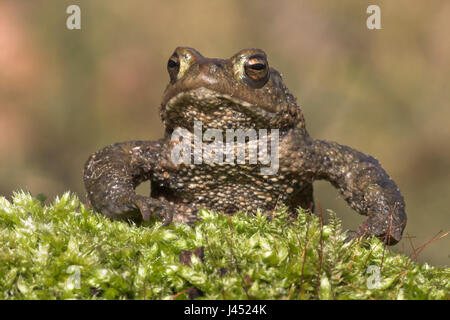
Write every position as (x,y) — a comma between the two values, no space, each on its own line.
(242,92)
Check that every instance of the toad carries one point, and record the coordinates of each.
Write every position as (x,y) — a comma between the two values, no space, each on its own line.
(228,95)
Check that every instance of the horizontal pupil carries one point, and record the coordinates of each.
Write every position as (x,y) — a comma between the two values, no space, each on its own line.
(257,66)
(172,64)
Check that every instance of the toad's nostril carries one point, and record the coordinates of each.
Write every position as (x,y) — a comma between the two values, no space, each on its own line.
(218,65)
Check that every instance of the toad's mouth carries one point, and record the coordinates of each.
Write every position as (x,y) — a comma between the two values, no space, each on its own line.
(215,110)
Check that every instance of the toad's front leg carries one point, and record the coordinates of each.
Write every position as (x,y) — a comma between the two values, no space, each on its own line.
(363,183)
(112,174)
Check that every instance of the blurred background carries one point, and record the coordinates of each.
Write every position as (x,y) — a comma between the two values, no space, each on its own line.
(67,93)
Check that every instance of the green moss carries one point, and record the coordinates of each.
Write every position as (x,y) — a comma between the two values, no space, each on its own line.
(66,251)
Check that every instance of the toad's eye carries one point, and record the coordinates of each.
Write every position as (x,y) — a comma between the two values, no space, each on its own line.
(257,70)
(173,66)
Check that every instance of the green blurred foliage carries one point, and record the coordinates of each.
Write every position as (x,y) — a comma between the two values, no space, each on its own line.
(64,94)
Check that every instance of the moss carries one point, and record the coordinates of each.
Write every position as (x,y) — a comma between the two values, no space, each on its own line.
(66,251)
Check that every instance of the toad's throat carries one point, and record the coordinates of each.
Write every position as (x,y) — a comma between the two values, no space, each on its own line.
(215,110)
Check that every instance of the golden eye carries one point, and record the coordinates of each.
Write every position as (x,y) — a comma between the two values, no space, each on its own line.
(173,66)
(257,70)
